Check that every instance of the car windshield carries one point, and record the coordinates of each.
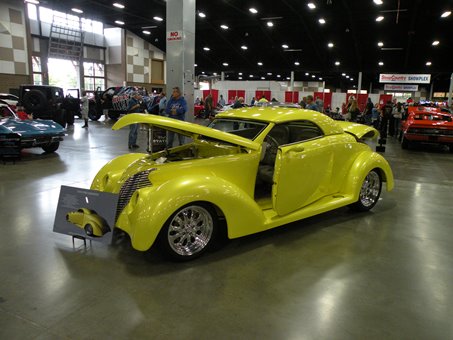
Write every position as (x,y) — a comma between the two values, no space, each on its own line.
(245,128)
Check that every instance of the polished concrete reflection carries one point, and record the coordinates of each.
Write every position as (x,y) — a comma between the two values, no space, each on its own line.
(386,274)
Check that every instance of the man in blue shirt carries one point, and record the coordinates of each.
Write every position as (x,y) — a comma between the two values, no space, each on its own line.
(176,109)
(311,105)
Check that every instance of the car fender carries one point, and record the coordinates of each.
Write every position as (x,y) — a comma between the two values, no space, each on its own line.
(363,164)
(149,208)
(113,170)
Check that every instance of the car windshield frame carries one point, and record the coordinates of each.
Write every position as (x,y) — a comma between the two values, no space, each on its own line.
(6,108)
(246,128)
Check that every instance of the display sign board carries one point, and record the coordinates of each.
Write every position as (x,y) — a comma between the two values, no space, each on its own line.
(405,78)
(86,213)
(391,87)
(174,35)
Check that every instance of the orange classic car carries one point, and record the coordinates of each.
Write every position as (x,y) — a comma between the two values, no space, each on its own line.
(427,125)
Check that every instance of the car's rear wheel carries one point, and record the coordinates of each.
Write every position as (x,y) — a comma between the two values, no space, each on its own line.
(405,144)
(89,229)
(189,232)
(369,192)
(51,147)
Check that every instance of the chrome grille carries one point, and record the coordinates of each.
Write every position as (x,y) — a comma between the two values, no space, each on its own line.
(132,184)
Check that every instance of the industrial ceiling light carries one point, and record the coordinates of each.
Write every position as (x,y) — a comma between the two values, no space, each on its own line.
(251,76)
(146,32)
(445,14)
(322,21)
(253,10)
(270,24)
(259,63)
(158,18)
(278,76)
(285,46)
(379,18)
(118,5)
(77,10)
(263,78)
(311,5)
(240,78)
(313,76)
(343,74)
(201,15)
(436,42)
(244,47)
(380,44)
(240,73)
(337,63)
(34,2)
(225,64)
(330,45)
(269,73)
(206,48)
(381,63)
(428,63)
(119,22)
(320,78)
(195,65)
(288,78)
(378,2)
(296,63)
(307,74)
(225,27)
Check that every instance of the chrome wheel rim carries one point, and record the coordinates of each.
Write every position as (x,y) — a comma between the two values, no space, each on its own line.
(190,230)
(371,187)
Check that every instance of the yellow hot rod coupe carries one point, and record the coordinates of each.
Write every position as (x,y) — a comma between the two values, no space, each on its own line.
(252,168)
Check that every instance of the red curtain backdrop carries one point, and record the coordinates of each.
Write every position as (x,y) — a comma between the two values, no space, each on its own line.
(260,93)
(361,100)
(291,96)
(384,98)
(326,98)
(214,94)
(232,94)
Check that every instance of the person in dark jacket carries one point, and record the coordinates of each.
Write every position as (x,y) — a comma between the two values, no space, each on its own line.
(135,105)
(176,109)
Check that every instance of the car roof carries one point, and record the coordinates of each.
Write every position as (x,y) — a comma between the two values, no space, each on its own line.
(278,115)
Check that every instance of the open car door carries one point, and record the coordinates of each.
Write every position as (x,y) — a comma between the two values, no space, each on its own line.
(297,178)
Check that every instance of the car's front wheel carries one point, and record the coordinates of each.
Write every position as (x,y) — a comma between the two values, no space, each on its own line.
(369,192)
(89,230)
(51,147)
(189,232)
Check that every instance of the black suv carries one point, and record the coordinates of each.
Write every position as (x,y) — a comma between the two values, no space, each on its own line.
(49,102)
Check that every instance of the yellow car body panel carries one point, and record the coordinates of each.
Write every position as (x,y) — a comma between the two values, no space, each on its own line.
(310,177)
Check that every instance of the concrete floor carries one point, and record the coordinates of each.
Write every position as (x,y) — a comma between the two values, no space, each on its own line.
(386,274)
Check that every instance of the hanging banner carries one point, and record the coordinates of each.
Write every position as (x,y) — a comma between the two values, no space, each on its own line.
(405,78)
(410,88)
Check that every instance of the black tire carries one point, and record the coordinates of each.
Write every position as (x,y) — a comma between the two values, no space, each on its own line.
(405,144)
(34,100)
(89,229)
(189,241)
(114,115)
(369,192)
(92,114)
(51,147)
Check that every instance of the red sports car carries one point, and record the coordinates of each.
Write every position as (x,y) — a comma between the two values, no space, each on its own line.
(427,125)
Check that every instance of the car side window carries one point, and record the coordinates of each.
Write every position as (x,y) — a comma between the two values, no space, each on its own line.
(302,131)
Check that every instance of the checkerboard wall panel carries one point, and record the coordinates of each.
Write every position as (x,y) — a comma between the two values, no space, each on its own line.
(138,56)
(13,43)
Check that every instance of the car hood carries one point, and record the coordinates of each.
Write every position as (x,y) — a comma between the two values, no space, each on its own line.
(185,128)
(32,127)
(359,130)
